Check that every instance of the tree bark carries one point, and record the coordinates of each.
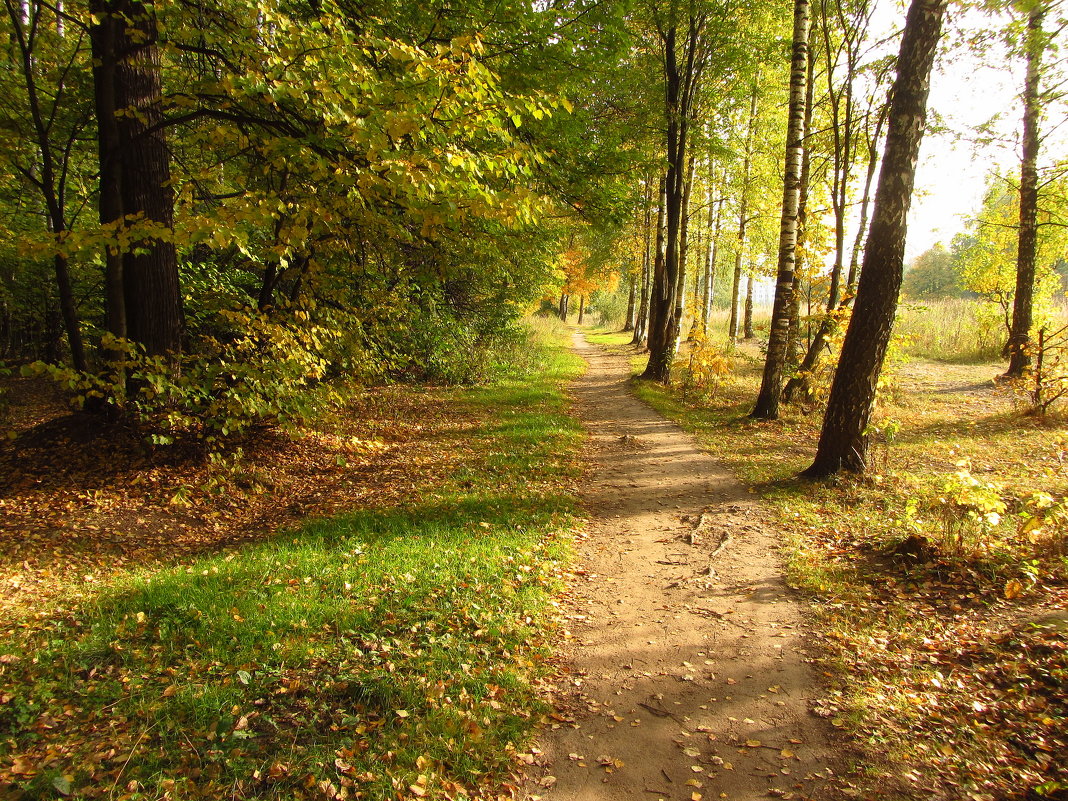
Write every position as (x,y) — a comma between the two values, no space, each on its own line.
(684,251)
(641,326)
(743,218)
(1027,238)
(800,384)
(767,404)
(654,331)
(632,302)
(582,308)
(683,63)
(843,443)
(715,217)
(144,298)
(24,22)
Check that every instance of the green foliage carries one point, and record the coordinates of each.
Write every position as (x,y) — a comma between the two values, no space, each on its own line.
(254,368)
(932,275)
(985,257)
(381,649)
(971,510)
(609,306)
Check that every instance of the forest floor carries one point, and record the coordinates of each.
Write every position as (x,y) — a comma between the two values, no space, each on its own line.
(687,672)
(359,607)
(938,581)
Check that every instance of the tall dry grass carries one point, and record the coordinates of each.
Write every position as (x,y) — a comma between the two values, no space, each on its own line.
(953,330)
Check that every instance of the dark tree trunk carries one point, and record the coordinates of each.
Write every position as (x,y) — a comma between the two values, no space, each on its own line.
(843,443)
(683,62)
(582,309)
(767,404)
(654,329)
(1027,238)
(144,299)
(715,217)
(632,301)
(563,306)
(743,219)
(684,252)
(641,326)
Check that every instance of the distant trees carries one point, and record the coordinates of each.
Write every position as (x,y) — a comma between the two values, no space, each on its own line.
(931,275)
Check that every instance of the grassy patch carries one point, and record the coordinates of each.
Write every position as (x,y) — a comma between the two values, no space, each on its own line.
(612,338)
(375,654)
(943,627)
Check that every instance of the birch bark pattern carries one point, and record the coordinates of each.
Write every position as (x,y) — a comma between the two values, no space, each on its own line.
(767,404)
(843,443)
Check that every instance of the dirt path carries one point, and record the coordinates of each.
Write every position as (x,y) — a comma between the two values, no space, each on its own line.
(687,678)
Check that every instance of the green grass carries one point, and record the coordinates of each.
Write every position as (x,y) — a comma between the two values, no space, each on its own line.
(602,337)
(366,653)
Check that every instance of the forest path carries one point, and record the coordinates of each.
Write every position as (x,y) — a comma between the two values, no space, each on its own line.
(685,673)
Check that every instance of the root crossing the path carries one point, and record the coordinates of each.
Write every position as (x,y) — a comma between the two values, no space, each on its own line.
(686,674)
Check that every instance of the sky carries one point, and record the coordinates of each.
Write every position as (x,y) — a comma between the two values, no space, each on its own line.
(967,91)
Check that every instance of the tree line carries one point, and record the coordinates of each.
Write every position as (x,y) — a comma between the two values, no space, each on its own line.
(212,210)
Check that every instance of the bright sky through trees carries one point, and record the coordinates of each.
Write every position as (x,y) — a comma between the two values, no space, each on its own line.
(970,91)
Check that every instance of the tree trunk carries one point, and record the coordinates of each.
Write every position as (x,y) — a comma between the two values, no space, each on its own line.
(684,251)
(715,217)
(563,307)
(582,309)
(682,75)
(743,218)
(664,321)
(24,21)
(793,347)
(657,283)
(747,326)
(767,404)
(144,299)
(1027,238)
(800,384)
(843,443)
(641,327)
(632,301)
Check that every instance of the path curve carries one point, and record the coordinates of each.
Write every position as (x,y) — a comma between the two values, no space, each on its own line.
(686,675)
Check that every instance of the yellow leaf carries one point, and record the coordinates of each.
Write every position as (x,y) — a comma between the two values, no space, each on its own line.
(1013,589)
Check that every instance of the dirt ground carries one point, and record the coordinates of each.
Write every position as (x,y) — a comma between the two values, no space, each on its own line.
(685,673)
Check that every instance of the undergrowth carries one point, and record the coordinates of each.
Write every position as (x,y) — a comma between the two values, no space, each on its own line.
(383,653)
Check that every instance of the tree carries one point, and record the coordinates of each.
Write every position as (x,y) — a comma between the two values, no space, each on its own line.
(767,404)
(685,49)
(932,275)
(843,443)
(136,197)
(1035,43)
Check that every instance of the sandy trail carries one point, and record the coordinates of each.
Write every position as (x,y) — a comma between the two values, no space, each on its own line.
(686,677)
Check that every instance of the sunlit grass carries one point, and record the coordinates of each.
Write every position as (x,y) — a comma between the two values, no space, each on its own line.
(369,653)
